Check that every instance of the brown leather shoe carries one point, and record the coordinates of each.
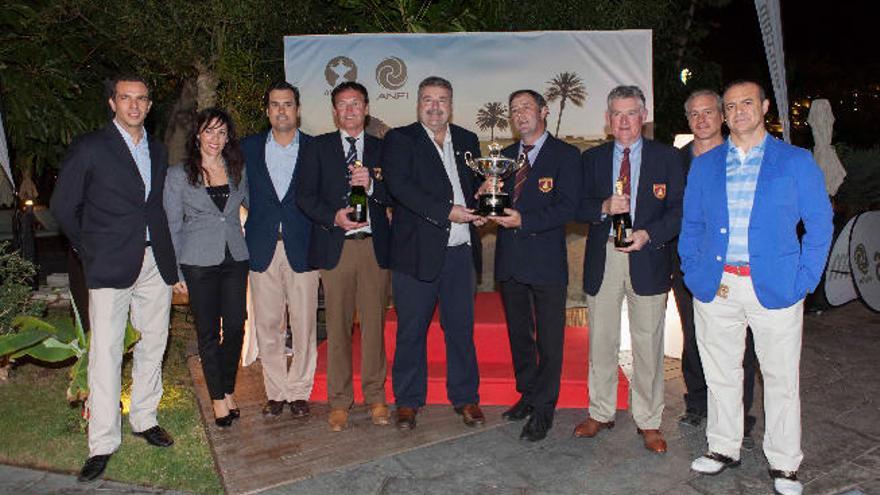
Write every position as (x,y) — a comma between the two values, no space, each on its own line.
(590,427)
(406,418)
(338,419)
(380,414)
(653,440)
(471,414)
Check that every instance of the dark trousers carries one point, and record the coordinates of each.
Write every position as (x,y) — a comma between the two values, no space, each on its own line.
(217,293)
(691,365)
(415,301)
(536,329)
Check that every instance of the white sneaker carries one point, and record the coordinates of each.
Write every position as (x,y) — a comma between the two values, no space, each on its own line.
(713,463)
(786,482)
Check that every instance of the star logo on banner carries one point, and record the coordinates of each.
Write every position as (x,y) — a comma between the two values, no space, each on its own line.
(340,69)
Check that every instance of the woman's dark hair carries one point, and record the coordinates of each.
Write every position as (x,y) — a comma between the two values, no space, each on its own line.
(231,152)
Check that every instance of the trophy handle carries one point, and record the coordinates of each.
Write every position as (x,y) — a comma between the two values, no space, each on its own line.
(521,160)
(468,158)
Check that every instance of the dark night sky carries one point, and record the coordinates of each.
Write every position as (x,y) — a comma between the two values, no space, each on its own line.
(838,31)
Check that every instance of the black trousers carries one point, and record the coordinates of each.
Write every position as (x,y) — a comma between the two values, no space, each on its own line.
(536,329)
(217,298)
(691,365)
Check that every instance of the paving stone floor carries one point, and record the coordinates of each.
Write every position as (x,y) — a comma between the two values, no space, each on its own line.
(840,389)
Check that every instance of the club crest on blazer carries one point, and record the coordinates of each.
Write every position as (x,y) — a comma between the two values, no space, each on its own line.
(545,184)
(659,191)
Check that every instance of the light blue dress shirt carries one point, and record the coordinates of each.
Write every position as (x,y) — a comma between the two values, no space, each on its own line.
(533,154)
(281,163)
(140,152)
(635,165)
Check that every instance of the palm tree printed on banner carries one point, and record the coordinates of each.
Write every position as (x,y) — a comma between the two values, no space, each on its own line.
(492,116)
(566,86)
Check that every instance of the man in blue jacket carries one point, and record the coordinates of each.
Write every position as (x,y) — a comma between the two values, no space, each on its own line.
(284,288)
(745,265)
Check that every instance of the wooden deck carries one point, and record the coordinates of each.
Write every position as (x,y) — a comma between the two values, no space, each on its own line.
(258,453)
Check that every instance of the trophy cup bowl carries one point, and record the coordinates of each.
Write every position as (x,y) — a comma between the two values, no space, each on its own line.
(494,168)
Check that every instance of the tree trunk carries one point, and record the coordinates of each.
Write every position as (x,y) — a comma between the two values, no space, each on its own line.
(181,120)
(206,86)
(559,118)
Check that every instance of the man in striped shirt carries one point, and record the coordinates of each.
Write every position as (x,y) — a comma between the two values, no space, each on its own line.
(745,265)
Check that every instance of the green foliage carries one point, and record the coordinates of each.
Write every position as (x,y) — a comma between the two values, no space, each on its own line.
(860,190)
(47,81)
(41,431)
(15,288)
(50,343)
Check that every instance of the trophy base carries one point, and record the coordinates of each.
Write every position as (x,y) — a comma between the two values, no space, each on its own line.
(493,205)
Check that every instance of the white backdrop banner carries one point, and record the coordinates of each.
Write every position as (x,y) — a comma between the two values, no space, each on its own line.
(484,68)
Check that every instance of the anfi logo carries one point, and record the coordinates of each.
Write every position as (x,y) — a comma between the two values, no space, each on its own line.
(391,73)
(339,70)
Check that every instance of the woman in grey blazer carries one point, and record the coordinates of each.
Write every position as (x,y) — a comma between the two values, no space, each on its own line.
(202,200)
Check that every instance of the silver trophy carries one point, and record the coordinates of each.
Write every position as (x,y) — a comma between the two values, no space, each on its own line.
(494,168)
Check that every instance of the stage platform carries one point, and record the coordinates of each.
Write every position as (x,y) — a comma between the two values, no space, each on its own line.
(497,384)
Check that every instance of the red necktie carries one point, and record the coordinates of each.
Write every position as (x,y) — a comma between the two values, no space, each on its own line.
(624,171)
(522,173)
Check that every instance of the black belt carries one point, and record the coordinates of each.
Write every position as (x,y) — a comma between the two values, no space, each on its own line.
(280,236)
(148,244)
(358,236)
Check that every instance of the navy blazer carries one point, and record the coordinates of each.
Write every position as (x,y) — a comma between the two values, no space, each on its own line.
(535,253)
(267,213)
(420,187)
(790,189)
(322,189)
(99,203)
(658,211)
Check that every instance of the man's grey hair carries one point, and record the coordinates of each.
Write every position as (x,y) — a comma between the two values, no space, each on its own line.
(622,92)
(435,81)
(703,92)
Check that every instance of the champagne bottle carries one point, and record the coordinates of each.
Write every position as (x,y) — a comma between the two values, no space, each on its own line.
(621,223)
(358,201)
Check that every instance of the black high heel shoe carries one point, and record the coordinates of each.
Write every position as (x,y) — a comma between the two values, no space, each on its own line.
(225,421)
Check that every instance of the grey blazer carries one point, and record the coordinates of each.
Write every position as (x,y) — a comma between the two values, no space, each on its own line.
(199,230)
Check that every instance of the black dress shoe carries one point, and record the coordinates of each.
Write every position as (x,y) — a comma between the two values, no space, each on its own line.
(299,408)
(536,428)
(225,421)
(93,468)
(235,413)
(156,436)
(273,408)
(519,411)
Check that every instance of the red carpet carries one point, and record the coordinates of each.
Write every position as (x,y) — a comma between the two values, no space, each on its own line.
(497,384)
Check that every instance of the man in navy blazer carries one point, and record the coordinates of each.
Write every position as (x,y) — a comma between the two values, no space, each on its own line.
(641,272)
(352,256)
(745,265)
(108,201)
(531,262)
(433,248)
(284,287)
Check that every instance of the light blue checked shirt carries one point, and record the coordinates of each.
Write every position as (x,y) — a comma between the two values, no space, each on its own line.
(742,179)
(140,152)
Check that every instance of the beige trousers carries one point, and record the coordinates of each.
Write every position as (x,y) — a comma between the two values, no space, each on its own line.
(721,333)
(148,304)
(279,296)
(357,282)
(646,322)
